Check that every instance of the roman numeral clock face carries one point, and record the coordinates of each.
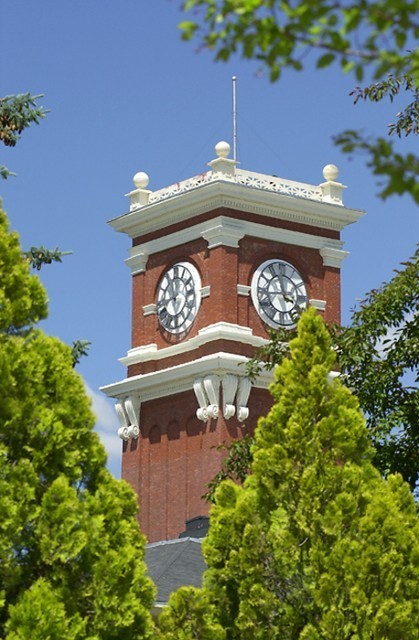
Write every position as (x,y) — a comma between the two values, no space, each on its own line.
(178,297)
(278,293)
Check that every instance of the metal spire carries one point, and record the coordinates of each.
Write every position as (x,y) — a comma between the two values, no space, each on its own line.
(234,119)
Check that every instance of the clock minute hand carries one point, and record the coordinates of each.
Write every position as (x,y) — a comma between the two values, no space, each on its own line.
(284,291)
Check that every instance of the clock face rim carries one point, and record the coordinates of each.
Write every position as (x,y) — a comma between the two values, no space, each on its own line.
(282,307)
(187,301)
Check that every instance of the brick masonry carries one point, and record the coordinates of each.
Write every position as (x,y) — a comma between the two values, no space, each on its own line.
(175,457)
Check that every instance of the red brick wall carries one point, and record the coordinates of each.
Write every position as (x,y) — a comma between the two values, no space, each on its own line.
(223,268)
(171,463)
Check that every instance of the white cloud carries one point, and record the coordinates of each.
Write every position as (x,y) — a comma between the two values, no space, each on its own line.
(107,427)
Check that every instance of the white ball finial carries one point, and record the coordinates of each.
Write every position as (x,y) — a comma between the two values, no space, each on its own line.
(330,172)
(141,180)
(222,149)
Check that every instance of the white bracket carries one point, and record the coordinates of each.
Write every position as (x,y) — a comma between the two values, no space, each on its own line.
(207,392)
(230,383)
(128,412)
(212,388)
(242,398)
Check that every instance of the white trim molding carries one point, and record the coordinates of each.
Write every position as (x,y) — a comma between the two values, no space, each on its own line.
(228,231)
(180,378)
(332,257)
(320,305)
(150,309)
(205,291)
(211,333)
(243,289)
(137,261)
(222,235)
(253,196)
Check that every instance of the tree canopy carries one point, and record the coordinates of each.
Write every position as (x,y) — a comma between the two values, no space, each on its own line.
(315,545)
(378,357)
(373,39)
(71,553)
(279,33)
(378,353)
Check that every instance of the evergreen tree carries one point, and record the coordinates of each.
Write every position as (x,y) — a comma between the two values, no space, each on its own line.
(71,553)
(378,355)
(190,614)
(315,545)
(16,114)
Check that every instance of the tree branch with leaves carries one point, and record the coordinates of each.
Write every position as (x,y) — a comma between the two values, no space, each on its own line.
(369,39)
(17,112)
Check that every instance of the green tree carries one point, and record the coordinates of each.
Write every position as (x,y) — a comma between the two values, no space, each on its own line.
(190,614)
(378,356)
(71,553)
(315,545)
(378,353)
(372,38)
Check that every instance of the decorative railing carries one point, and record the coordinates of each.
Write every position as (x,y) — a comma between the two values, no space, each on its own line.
(246,178)
(224,169)
(181,187)
(279,185)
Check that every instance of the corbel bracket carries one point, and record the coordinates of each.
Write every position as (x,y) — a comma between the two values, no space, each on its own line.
(128,412)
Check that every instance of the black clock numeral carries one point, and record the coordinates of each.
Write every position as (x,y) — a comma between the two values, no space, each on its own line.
(162,313)
(189,284)
(264,301)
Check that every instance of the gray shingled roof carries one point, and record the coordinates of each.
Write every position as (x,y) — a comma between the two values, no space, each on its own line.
(174,563)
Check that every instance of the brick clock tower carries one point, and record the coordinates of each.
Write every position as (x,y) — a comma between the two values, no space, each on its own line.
(216,261)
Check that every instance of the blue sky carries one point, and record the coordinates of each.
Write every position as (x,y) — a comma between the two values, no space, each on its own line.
(126,94)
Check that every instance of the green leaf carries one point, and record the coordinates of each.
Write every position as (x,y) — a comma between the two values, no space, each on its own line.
(325,60)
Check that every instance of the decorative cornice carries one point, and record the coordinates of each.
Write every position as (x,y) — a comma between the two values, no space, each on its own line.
(332,257)
(222,234)
(137,261)
(211,333)
(228,231)
(181,377)
(211,194)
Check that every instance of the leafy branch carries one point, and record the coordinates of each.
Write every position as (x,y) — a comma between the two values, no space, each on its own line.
(399,172)
(274,32)
(80,348)
(235,466)
(38,256)
(17,112)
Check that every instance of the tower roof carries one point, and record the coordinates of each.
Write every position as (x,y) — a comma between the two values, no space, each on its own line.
(225,185)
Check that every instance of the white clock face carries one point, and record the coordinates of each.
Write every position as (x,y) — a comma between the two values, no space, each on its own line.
(278,293)
(178,297)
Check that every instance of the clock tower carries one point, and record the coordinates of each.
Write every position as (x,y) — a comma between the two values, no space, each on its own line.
(216,262)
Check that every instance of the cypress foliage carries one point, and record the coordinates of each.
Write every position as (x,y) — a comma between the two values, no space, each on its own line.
(315,545)
(71,553)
